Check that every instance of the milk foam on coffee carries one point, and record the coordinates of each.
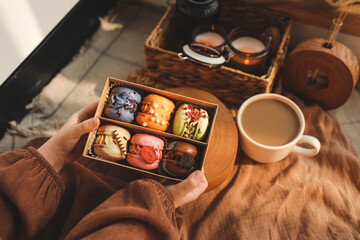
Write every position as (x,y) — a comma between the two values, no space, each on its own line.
(270,122)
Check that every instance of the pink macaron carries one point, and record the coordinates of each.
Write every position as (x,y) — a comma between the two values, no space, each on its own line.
(145,151)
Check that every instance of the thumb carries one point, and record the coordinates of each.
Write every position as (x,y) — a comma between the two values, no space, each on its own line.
(191,182)
(189,189)
(85,127)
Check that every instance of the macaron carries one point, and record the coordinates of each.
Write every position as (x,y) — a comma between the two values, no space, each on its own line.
(190,122)
(179,159)
(145,151)
(123,104)
(155,112)
(111,142)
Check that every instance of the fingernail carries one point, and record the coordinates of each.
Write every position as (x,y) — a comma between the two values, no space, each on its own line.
(94,121)
(198,175)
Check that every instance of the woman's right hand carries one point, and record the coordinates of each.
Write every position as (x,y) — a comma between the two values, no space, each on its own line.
(189,189)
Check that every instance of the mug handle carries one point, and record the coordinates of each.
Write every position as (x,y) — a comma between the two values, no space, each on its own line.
(308,152)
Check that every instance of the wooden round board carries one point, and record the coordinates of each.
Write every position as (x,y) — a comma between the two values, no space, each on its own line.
(222,149)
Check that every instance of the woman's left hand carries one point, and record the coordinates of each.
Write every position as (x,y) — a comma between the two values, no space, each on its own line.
(67,144)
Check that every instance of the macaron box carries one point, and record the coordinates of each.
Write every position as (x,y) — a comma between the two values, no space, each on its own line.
(151,132)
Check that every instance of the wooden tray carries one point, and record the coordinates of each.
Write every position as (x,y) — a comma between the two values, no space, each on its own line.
(222,149)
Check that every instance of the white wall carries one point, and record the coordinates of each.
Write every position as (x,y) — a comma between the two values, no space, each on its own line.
(23,25)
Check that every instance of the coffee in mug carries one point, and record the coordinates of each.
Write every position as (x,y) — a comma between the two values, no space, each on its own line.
(270,122)
(271,126)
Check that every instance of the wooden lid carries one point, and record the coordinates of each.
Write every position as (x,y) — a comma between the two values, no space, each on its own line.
(336,70)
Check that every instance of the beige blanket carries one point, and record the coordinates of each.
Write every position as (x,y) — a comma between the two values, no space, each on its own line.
(297,198)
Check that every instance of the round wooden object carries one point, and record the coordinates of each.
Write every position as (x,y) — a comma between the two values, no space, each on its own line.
(223,144)
(338,70)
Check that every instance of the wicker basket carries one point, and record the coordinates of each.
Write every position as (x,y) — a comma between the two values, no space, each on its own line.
(230,85)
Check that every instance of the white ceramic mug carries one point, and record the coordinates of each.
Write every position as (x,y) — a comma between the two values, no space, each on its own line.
(268,154)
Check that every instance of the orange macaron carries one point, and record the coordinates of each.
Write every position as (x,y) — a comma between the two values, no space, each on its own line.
(155,112)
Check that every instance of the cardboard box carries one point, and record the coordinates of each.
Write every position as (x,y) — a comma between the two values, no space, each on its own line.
(134,127)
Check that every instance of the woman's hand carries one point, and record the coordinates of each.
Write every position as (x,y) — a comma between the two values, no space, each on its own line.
(189,189)
(67,145)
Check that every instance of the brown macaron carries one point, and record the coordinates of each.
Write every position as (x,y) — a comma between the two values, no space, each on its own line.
(179,159)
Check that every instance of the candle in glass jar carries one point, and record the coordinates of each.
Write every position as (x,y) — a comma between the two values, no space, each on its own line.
(212,39)
(248,45)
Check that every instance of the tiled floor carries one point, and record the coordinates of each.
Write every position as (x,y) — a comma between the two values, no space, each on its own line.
(117,54)
(107,53)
